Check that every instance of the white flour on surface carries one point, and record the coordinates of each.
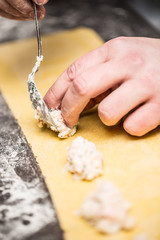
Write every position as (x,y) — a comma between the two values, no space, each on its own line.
(51,117)
(84,161)
(106,209)
(23,203)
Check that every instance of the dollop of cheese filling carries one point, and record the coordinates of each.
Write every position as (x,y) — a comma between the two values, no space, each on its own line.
(84,161)
(107,210)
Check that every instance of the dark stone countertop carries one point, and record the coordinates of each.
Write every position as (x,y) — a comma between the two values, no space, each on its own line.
(26,210)
(109,18)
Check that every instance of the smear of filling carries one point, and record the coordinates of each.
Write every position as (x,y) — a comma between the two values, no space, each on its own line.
(49,116)
(84,161)
(107,210)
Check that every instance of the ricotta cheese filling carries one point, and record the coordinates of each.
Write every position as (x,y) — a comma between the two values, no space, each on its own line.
(84,161)
(49,116)
(107,210)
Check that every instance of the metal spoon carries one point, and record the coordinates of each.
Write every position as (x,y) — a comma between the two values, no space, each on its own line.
(37,30)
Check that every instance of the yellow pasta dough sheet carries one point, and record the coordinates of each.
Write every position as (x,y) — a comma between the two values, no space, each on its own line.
(131,163)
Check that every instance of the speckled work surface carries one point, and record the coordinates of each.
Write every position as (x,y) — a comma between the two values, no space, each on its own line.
(26,211)
(25,206)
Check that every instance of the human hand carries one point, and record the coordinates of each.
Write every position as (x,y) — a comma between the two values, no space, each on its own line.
(122,76)
(21,9)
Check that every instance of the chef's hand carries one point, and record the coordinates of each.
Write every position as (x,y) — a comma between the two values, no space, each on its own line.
(21,9)
(122,76)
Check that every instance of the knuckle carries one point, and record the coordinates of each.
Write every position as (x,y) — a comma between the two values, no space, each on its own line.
(23,6)
(20,4)
(133,58)
(80,85)
(73,70)
(117,42)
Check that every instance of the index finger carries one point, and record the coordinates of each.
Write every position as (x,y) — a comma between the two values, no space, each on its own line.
(95,57)
(88,85)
